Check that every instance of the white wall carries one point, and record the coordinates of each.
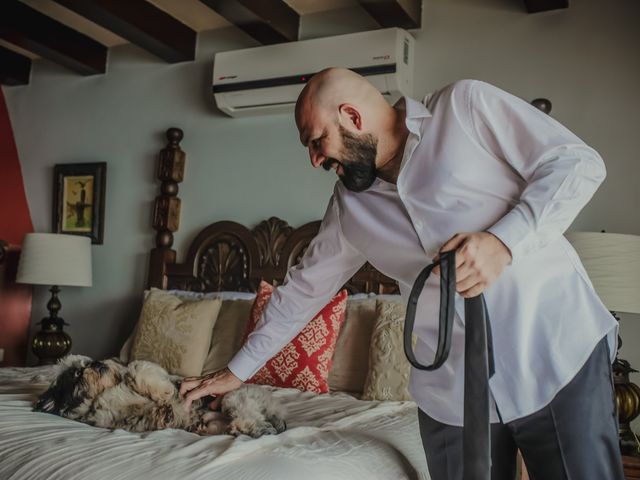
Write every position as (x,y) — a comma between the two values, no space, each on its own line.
(585,59)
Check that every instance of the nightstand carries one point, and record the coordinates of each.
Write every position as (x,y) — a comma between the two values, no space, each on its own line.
(631,467)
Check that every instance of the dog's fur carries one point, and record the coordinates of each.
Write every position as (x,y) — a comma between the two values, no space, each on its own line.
(142,396)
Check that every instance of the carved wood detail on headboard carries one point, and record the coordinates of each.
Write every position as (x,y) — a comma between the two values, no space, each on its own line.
(4,254)
(4,246)
(227,256)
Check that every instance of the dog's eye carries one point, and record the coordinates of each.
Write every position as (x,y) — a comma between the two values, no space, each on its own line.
(78,373)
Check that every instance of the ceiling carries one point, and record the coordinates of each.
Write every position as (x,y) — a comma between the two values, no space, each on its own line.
(193,13)
(78,33)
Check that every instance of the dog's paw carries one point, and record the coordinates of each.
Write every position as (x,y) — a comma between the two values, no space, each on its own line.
(150,380)
(216,427)
(278,423)
(212,415)
(252,429)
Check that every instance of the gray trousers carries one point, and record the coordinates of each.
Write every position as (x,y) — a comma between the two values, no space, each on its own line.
(575,437)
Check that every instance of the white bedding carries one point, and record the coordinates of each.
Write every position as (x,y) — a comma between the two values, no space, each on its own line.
(329,437)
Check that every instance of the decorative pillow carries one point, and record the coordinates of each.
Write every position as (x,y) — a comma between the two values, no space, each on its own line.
(227,335)
(388,377)
(351,356)
(174,333)
(125,351)
(304,363)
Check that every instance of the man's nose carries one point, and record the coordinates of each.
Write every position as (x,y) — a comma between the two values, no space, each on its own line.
(317,159)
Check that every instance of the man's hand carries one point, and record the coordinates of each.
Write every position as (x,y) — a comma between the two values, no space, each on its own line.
(480,259)
(216,384)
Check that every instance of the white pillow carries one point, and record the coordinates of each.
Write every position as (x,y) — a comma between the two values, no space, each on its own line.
(220,295)
(389,297)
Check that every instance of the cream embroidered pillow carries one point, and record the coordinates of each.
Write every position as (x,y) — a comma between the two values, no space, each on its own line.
(388,377)
(175,333)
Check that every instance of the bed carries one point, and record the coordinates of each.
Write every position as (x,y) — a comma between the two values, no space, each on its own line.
(329,436)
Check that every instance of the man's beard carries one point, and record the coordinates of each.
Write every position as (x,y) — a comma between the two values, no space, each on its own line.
(359,165)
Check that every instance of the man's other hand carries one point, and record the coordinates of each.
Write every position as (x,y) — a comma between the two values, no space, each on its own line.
(480,259)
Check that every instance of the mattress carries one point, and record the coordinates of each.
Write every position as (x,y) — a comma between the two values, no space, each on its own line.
(331,436)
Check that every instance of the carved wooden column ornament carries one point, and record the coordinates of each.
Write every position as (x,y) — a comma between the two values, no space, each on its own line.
(166,211)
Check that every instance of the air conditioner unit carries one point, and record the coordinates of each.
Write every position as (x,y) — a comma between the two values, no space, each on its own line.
(264,80)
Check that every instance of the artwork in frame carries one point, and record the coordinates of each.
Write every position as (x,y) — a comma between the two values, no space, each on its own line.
(78,199)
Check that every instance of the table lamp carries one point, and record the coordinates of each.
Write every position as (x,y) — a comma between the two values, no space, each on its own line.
(612,261)
(56,260)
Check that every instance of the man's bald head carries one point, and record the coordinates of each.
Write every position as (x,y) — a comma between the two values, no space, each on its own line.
(347,125)
(329,89)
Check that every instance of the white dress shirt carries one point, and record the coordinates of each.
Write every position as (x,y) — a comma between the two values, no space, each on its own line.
(476,159)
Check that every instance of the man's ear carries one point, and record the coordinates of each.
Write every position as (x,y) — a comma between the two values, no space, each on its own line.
(350,115)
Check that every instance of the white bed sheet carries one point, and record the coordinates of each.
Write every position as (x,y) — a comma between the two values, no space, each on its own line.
(330,437)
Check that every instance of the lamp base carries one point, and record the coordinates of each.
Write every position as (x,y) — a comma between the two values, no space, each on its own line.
(628,406)
(627,401)
(51,342)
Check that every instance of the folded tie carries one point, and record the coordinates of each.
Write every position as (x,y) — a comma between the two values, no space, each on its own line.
(478,364)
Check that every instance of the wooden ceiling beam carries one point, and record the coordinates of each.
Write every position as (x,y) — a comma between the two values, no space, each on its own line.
(27,28)
(395,13)
(14,68)
(535,6)
(267,21)
(142,23)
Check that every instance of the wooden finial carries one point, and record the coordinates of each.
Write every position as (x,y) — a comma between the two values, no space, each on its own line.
(174,135)
(543,104)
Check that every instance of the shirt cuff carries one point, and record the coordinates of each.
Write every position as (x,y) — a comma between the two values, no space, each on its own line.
(513,230)
(242,366)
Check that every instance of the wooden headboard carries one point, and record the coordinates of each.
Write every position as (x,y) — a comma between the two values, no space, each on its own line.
(227,255)
(4,253)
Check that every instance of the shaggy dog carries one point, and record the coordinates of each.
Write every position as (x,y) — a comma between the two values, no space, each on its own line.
(142,396)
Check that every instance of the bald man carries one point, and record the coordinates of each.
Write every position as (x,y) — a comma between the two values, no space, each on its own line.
(474,169)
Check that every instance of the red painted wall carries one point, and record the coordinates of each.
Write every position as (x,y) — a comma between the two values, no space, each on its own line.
(15,222)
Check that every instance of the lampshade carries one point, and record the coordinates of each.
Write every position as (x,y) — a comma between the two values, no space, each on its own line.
(55,259)
(612,261)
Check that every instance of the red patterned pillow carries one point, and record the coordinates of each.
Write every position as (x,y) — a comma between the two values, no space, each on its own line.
(304,363)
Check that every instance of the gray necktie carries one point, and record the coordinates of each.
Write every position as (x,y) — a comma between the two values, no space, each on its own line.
(478,364)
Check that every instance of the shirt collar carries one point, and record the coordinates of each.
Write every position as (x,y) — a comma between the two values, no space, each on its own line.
(415,112)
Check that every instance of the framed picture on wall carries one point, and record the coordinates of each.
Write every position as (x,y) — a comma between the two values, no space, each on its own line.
(78,199)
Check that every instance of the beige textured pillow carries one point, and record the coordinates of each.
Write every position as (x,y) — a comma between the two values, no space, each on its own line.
(351,356)
(388,376)
(226,339)
(174,333)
